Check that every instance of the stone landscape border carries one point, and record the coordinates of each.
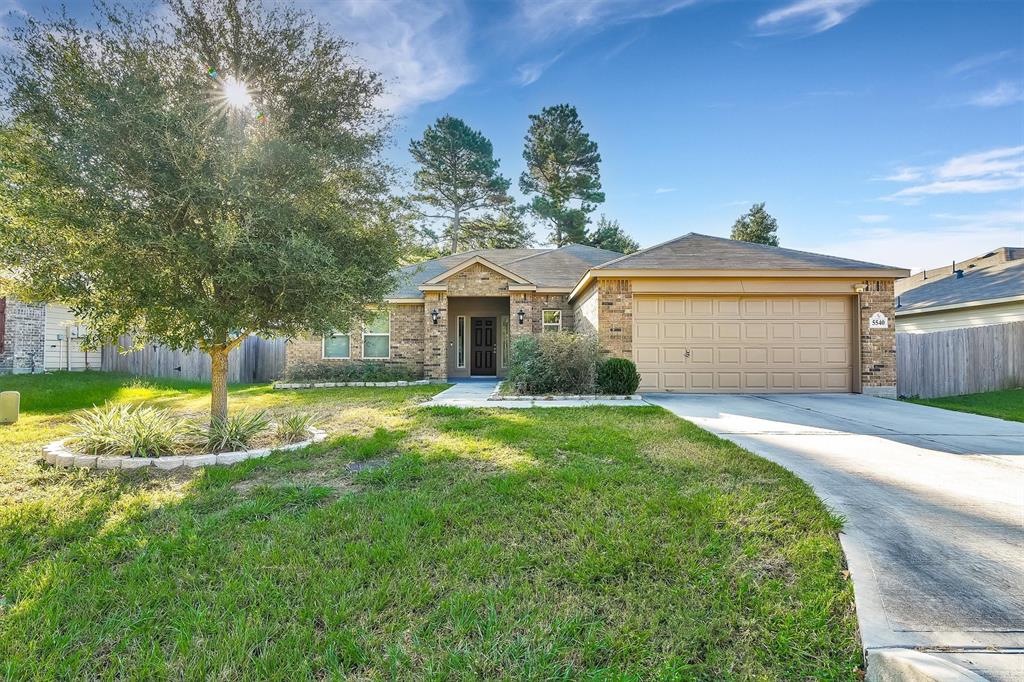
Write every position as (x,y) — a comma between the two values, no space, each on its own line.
(58,455)
(343,384)
(496,395)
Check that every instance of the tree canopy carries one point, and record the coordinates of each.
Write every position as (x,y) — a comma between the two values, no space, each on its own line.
(757,226)
(504,229)
(608,234)
(457,176)
(196,176)
(562,173)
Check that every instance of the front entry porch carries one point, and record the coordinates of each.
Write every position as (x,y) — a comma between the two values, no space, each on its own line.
(478,336)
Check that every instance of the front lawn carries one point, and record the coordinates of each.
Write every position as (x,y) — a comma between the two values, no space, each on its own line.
(1007,404)
(417,543)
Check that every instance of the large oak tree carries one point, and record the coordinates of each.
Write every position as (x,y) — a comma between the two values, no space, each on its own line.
(195,176)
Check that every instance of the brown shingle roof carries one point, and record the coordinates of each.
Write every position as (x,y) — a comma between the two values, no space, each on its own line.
(703,252)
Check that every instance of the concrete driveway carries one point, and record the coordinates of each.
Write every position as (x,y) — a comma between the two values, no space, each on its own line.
(934,503)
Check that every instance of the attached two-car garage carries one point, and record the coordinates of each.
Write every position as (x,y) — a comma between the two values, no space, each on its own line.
(745,344)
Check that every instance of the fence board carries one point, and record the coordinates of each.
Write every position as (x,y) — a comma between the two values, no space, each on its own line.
(958,361)
(255,360)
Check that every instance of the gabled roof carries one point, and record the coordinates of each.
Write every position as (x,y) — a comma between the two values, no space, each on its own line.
(979,285)
(703,252)
(544,268)
(475,260)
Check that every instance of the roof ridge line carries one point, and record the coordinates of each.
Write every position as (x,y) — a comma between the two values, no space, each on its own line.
(655,246)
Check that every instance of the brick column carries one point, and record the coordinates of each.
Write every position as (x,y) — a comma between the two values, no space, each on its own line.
(615,317)
(435,336)
(878,346)
(520,300)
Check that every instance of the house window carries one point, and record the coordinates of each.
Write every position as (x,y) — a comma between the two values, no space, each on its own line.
(506,341)
(337,346)
(460,341)
(377,337)
(552,320)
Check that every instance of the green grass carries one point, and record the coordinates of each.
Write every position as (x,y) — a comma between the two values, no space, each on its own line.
(594,543)
(1007,404)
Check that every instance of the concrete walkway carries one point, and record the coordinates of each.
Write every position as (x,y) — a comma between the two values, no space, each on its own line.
(474,393)
(934,508)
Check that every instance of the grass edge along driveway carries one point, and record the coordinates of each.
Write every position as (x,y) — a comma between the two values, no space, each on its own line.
(544,543)
(1007,404)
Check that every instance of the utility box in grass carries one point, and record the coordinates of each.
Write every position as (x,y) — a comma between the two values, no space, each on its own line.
(10,404)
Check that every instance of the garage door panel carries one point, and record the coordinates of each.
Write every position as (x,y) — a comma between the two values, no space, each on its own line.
(744,343)
(646,331)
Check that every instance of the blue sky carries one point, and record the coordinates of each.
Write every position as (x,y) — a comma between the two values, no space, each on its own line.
(888,131)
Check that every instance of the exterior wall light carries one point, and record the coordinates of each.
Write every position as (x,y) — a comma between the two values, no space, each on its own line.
(521,315)
(434,315)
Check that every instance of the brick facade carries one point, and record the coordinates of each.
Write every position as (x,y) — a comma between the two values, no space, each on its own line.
(477,280)
(615,317)
(435,347)
(878,346)
(406,343)
(534,305)
(24,332)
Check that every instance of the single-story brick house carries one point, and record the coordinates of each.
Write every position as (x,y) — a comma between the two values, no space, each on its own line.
(696,314)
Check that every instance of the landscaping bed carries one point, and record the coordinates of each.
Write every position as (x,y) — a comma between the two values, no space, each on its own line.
(417,543)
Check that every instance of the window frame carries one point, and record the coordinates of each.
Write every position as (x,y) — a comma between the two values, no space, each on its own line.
(460,344)
(504,347)
(362,346)
(323,347)
(546,326)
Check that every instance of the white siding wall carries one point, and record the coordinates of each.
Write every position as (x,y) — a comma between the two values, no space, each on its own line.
(62,344)
(961,318)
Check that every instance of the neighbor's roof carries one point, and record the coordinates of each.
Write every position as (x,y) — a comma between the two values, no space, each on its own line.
(554,268)
(703,252)
(996,282)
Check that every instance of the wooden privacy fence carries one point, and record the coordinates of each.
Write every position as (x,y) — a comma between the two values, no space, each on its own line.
(959,361)
(255,360)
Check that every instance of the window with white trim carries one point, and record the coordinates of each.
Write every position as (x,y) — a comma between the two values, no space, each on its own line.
(551,320)
(460,342)
(506,340)
(377,337)
(337,346)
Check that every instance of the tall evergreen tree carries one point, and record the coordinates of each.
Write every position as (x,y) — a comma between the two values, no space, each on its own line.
(195,176)
(757,226)
(457,175)
(608,234)
(562,173)
(504,229)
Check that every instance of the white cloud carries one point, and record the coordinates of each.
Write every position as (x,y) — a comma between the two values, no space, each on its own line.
(994,170)
(419,46)
(1002,94)
(531,72)
(980,164)
(906,174)
(542,19)
(665,190)
(873,218)
(971,64)
(808,16)
(949,237)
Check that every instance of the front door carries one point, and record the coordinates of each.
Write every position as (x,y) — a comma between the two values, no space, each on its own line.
(484,347)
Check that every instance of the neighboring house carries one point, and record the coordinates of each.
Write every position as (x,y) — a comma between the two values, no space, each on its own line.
(697,314)
(987,289)
(41,337)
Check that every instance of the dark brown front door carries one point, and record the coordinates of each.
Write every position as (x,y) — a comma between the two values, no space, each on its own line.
(484,345)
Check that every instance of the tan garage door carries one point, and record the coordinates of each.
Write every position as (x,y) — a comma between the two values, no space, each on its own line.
(741,344)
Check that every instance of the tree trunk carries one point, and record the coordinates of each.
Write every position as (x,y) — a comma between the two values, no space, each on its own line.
(218,382)
(456,226)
